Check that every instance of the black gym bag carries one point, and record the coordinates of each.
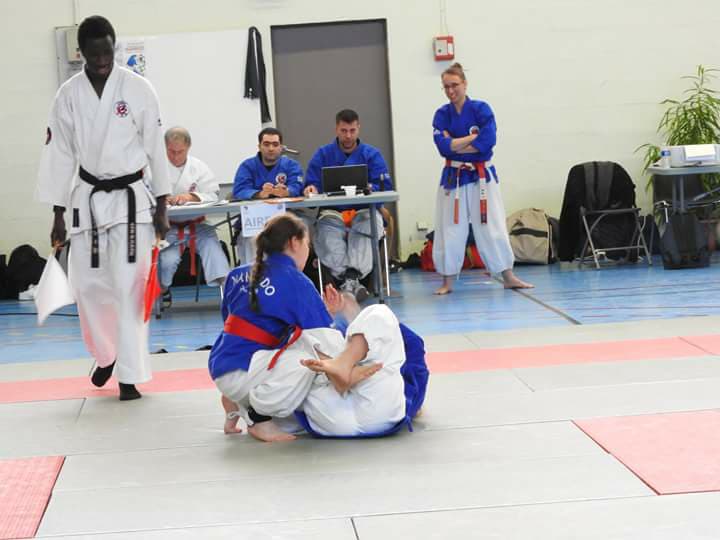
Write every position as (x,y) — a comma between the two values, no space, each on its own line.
(684,243)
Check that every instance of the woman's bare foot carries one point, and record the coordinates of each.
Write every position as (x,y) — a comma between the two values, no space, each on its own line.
(231,421)
(360,373)
(336,373)
(511,281)
(269,432)
(231,416)
(339,370)
(446,287)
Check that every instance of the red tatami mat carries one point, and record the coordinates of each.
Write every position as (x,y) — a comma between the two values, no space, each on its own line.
(672,453)
(711,344)
(549,355)
(81,387)
(438,362)
(25,488)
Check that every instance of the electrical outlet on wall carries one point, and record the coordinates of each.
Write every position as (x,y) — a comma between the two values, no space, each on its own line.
(422,226)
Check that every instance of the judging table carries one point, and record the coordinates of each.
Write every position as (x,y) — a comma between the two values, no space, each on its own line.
(679,174)
(232,210)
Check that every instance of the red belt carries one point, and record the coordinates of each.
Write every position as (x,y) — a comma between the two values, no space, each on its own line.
(479,166)
(237,326)
(191,239)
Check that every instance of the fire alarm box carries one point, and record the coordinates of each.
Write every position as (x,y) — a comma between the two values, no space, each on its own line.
(444,47)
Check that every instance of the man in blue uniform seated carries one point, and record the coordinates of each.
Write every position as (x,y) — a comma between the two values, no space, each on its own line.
(266,175)
(342,237)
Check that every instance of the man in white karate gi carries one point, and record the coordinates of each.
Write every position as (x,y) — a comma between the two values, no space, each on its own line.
(103,133)
(191,180)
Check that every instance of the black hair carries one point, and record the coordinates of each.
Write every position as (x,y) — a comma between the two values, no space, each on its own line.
(274,238)
(94,27)
(269,131)
(347,116)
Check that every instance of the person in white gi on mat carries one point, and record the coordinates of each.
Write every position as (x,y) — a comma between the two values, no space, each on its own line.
(277,334)
(103,133)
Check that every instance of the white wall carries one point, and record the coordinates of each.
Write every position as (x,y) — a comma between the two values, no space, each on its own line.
(569,80)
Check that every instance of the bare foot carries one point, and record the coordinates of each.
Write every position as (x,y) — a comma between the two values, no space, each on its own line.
(231,420)
(360,373)
(511,281)
(336,372)
(517,283)
(231,416)
(447,284)
(269,432)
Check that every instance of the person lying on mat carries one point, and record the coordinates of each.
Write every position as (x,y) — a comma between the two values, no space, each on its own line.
(274,318)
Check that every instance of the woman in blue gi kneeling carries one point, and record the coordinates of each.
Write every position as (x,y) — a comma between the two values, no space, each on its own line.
(281,365)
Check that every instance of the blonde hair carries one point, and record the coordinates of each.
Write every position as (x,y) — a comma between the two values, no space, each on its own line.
(456,69)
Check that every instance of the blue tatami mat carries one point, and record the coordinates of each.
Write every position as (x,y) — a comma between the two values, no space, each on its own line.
(563,295)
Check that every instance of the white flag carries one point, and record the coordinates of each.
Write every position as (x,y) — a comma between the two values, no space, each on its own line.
(53,291)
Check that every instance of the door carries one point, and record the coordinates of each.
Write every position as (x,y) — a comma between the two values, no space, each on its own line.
(320,69)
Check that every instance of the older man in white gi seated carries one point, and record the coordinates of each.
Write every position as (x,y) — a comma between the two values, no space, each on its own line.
(191,181)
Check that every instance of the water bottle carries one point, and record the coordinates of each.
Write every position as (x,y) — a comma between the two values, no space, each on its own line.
(665,157)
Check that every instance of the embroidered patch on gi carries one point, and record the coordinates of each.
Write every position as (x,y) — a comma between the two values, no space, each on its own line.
(473,130)
(192,188)
(48,136)
(159,123)
(121,109)
(281,178)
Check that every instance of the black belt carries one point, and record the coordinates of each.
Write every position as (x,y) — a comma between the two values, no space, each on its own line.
(108,185)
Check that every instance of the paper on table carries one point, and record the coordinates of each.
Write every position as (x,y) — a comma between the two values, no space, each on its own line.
(53,290)
(198,204)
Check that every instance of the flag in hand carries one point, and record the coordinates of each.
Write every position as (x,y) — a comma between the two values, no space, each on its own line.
(152,286)
(53,291)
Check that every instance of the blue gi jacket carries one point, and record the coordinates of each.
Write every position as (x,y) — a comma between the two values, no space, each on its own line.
(475,117)
(287,298)
(331,155)
(252,174)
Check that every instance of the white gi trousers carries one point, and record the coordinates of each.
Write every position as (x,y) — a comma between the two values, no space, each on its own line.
(370,406)
(491,238)
(214,263)
(279,391)
(340,248)
(375,404)
(110,299)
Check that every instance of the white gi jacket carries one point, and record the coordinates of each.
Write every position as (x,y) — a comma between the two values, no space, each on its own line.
(114,136)
(195,177)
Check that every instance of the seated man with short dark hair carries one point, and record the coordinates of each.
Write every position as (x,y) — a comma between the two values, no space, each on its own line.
(342,239)
(268,174)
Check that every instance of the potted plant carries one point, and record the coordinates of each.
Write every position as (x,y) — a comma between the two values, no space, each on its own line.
(692,120)
(695,119)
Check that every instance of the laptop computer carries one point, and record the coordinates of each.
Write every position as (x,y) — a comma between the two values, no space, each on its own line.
(333,178)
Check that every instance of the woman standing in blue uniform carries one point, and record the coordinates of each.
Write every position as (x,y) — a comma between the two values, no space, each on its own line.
(464,131)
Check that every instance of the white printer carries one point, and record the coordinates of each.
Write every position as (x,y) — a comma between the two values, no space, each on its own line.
(688,155)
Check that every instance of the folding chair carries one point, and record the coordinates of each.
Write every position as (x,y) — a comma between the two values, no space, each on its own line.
(600,198)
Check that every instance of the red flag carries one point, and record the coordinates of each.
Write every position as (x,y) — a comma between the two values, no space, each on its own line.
(152,286)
